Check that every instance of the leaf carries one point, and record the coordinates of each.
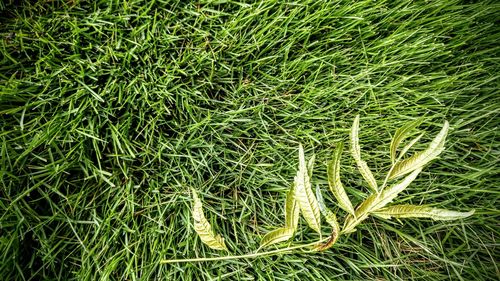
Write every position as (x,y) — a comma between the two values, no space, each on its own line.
(304,195)
(412,211)
(409,145)
(276,236)
(292,211)
(401,134)
(330,217)
(203,227)
(310,165)
(388,194)
(333,171)
(356,154)
(377,201)
(421,158)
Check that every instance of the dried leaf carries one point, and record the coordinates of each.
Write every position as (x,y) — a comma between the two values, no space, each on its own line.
(333,171)
(203,227)
(400,135)
(421,158)
(412,211)
(292,211)
(329,243)
(304,195)
(356,154)
(276,236)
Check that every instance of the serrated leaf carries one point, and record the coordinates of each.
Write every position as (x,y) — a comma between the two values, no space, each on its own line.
(409,145)
(330,217)
(356,154)
(310,165)
(400,135)
(276,236)
(412,211)
(375,202)
(336,187)
(203,227)
(421,158)
(303,194)
(391,192)
(292,211)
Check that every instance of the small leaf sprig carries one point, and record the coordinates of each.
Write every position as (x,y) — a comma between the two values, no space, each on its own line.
(300,198)
(203,227)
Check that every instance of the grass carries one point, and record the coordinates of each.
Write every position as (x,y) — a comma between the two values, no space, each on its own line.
(111,110)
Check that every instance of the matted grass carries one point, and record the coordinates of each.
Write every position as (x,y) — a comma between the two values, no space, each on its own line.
(111,110)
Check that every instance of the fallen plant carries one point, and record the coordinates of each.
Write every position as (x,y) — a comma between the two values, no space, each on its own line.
(300,198)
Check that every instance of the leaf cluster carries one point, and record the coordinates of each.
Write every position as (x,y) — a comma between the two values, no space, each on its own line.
(301,200)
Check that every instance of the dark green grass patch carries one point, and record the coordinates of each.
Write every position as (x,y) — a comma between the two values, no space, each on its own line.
(111,110)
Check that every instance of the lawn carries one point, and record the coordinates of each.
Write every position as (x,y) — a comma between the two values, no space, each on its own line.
(110,111)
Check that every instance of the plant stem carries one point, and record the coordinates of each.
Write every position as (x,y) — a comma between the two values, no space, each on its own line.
(352,224)
(245,256)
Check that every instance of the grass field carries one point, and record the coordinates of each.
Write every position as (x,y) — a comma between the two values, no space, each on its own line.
(111,110)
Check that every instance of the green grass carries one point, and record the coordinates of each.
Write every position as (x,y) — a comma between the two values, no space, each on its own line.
(111,110)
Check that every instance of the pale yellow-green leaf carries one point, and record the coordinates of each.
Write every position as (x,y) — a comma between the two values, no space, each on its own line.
(276,236)
(391,192)
(303,194)
(375,202)
(356,154)
(203,227)
(330,217)
(310,166)
(412,211)
(292,211)
(400,135)
(336,187)
(409,145)
(421,158)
